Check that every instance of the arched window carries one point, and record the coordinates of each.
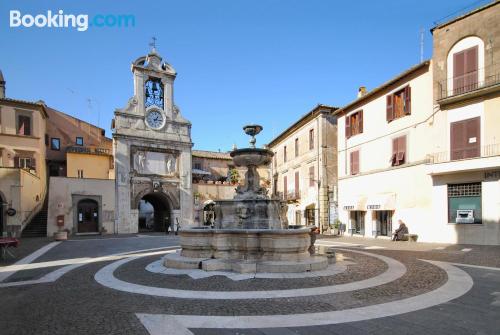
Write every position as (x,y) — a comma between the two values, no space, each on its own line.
(465,66)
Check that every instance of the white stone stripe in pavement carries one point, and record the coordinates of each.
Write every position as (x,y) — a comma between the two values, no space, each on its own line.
(106,278)
(8,271)
(56,274)
(458,283)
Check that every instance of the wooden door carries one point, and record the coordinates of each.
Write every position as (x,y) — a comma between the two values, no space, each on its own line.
(88,216)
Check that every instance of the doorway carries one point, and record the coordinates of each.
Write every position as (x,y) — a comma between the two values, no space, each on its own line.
(357,222)
(154,213)
(88,216)
(384,222)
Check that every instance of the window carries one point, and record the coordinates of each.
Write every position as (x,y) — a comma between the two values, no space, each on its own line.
(310,216)
(284,154)
(285,187)
(55,143)
(311,176)
(79,140)
(357,222)
(297,185)
(464,203)
(311,139)
(80,173)
(465,139)
(398,104)
(398,156)
(197,166)
(23,125)
(354,124)
(298,217)
(24,162)
(354,159)
(46,140)
(296,147)
(465,70)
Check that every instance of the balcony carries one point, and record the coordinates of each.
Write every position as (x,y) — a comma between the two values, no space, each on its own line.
(291,196)
(476,159)
(482,81)
(76,149)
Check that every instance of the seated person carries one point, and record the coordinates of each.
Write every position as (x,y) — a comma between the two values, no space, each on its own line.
(400,232)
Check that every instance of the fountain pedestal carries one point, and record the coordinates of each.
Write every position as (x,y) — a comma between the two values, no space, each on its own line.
(250,232)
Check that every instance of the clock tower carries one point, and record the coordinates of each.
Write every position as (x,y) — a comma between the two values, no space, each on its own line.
(152,152)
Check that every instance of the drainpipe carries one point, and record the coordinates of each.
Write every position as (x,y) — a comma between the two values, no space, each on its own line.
(318,168)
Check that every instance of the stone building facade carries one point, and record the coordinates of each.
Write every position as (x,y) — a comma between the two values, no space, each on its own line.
(152,144)
(304,168)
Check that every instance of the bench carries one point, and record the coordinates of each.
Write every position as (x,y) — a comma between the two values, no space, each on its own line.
(410,237)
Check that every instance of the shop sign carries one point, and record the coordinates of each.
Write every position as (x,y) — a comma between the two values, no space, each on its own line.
(492,175)
(348,208)
(373,207)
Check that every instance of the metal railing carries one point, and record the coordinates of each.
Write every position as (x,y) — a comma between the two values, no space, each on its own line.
(467,153)
(88,150)
(469,82)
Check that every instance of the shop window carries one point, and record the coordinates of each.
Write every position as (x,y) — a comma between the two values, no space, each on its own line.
(358,222)
(354,124)
(384,223)
(464,203)
(398,104)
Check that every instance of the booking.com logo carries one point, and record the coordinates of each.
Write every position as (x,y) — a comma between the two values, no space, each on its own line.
(61,20)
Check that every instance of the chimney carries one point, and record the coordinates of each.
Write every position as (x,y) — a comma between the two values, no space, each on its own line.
(2,86)
(361,91)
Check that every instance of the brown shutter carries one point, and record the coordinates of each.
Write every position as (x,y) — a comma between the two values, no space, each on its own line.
(395,146)
(348,126)
(407,109)
(471,67)
(401,150)
(458,72)
(311,176)
(16,162)
(389,107)
(472,130)
(33,163)
(360,121)
(457,135)
(355,162)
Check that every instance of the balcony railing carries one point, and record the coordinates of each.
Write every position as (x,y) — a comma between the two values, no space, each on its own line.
(470,82)
(461,154)
(88,150)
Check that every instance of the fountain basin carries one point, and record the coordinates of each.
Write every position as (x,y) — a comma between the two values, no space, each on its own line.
(246,250)
(251,156)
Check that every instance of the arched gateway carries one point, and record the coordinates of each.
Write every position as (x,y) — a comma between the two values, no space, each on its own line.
(152,152)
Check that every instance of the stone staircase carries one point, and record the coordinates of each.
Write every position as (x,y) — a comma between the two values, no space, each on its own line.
(38,225)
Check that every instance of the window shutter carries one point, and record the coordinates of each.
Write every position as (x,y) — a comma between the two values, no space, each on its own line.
(395,147)
(285,187)
(356,162)
(33,163)
(389,108)
(348,126)
(16,162)
(297,184)
(360,121)
(407,100)
(457,135)
(401,150)
(351,162)
(471,68)
(458,72)
(473,131)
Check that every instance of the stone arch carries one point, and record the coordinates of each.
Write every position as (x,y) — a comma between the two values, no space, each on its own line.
(161,218)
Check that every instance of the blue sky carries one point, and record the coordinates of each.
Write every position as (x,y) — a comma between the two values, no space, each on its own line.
(238,61)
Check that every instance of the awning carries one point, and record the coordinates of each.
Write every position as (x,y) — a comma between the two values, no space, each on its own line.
(382,202)
(357,203)
(201,172)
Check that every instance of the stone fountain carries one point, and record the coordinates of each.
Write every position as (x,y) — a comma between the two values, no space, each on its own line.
(251,232)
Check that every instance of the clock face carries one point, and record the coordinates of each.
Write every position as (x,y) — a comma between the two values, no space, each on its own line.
(154,119)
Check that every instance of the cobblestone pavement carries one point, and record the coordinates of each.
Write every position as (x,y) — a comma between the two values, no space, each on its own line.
(77,304)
